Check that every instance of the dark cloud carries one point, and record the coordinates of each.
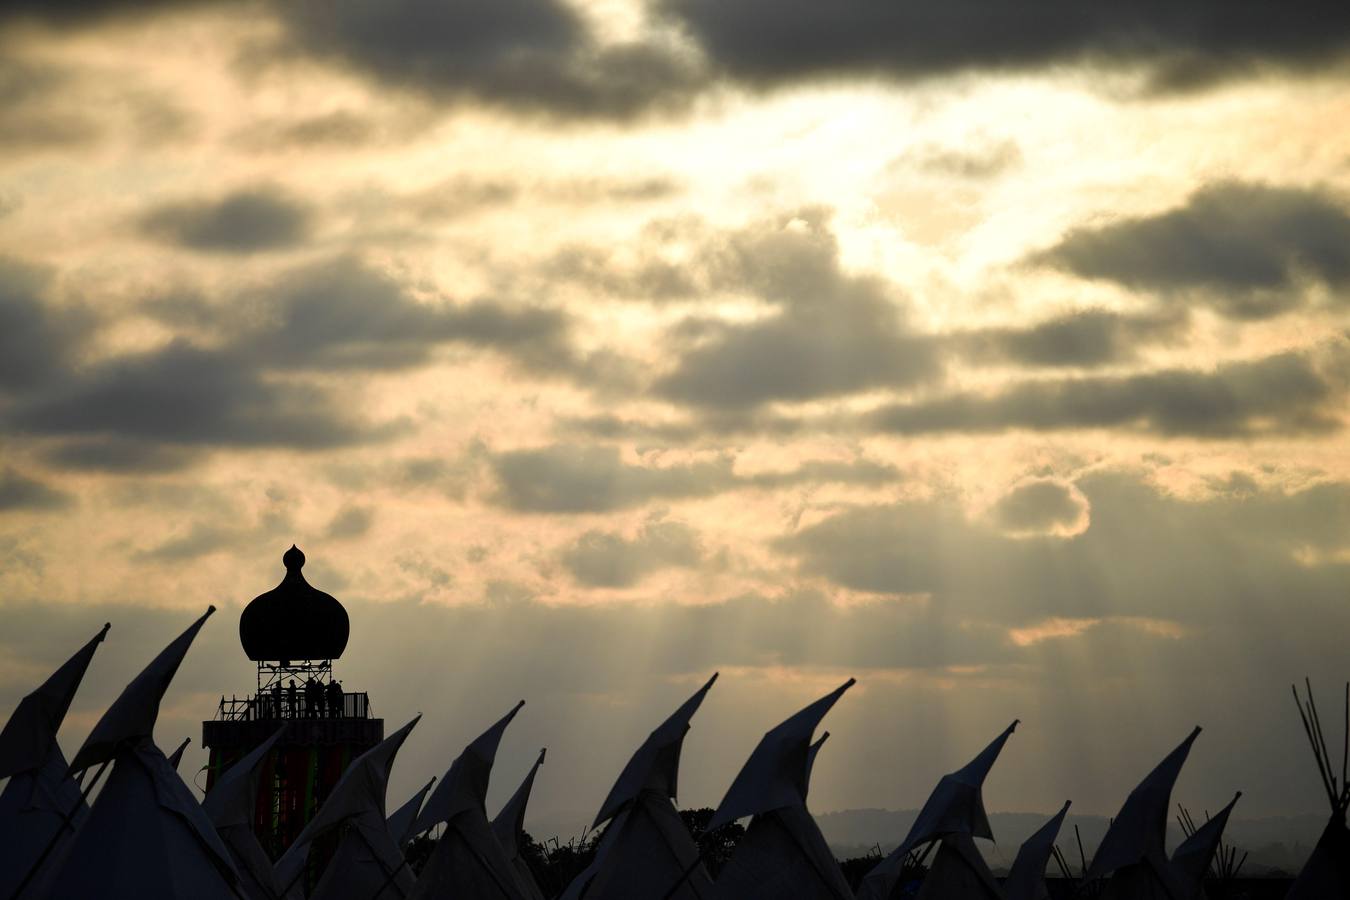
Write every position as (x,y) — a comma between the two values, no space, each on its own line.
(1176,47)
(1286,394)
(244,221)
(465,195)
(608,560)
(29,117)
(833,332)
(117,455)
(1248,250)
(18,491)
(350,522)
(37,337)
(339,129)
(576,479)
(185,395)
(1041,506)
(977,159)
(531,55)
(346,314)
(1092,337)
(580,478)
(82,13)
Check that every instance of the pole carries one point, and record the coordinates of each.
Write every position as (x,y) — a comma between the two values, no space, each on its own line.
(65,823)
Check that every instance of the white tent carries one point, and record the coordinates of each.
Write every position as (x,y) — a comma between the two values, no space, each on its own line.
(783,853)
(145,836)
(1026,878)
(40,806)
(368,863)
(954,810)
(230,806)
(1133,851)
(467,861)
(1326,874)
(401,820)
(646,852)
(509,827)
(1192,858)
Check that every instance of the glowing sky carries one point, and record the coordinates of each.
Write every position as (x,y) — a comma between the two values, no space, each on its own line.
(994,355)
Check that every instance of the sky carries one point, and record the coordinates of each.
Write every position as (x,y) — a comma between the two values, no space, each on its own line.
(995,356)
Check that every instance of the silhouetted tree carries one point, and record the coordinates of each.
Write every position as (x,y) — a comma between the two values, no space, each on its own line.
(714,846)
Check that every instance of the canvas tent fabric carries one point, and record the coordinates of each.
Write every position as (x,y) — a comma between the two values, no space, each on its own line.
(367,865)
(1026,878)
(645,851)
(783,854)
(465,784)
(1138,833)
(41,806)
(959,872)
(132,715)
(1326,874)
(145,837)
(230,806)
(775,774)
(176,757)
(356,801)
(956,806)
(401,820)
(509,828)
(1191,859)
(30,733)
(468,861)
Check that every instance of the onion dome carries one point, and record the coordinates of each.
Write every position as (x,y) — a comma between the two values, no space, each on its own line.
(294,620)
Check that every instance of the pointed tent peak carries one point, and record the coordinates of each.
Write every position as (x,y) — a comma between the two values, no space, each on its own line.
(1139,830)
(465,784)
(509,822)
(1192,858)
(176,756)
(1026,878)
(30,733)
(132,715)
(232,798)
(401,820)
(975,771)
(540,761)
(655,766)
(775,775)
(811,759)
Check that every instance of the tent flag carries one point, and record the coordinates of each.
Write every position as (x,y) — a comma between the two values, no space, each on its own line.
(1138,832)
(466,781)
(1026,878)
(358,797)
(510,821)
(1191,859)
(176,756)
(656,764)
(132,715)
(401,820)
(956,806)
(774,775)
(30,733)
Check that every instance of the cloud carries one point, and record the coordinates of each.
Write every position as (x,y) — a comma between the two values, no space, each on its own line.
(1175,48)
(18,492)
(605,559)
(1086,338)
(1042,506)
(977,159)
(187,396)
(1248,250)
(351,522)
(582,478)
(567,478)
(37,337)
(83,13)
(247,220)
(117,455)
(1293,393)
(536,56)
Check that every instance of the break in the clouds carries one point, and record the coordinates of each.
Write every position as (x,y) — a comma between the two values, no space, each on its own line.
(1248,250)
(244,221)
(1176,47)
(1288,394)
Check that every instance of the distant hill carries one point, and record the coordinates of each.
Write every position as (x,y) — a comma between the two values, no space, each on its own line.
(1273,843)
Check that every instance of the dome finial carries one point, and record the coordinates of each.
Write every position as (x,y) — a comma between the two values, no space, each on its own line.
(293,559)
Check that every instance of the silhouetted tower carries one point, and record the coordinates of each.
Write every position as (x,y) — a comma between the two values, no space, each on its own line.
(293,632)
